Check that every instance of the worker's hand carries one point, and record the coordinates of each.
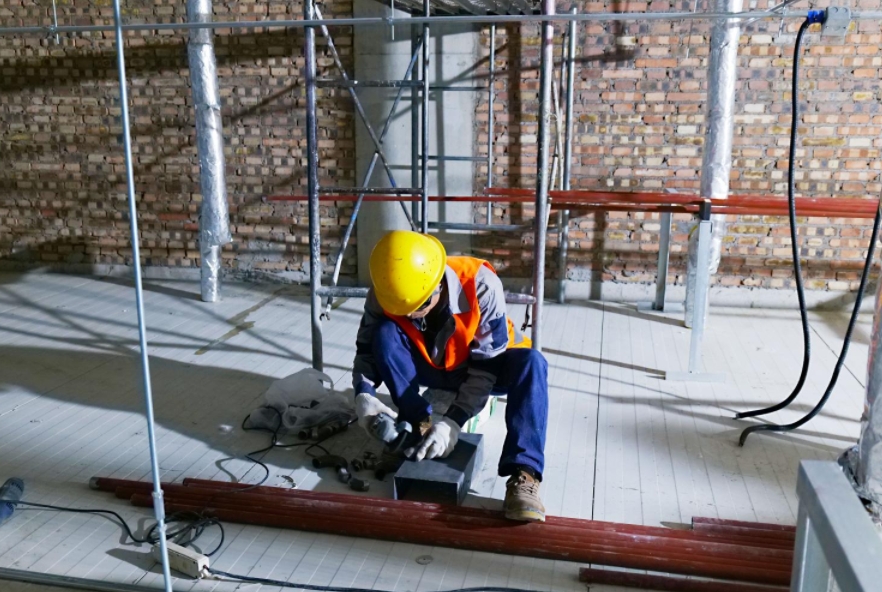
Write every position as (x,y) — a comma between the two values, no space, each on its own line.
(367,407)
(438,443)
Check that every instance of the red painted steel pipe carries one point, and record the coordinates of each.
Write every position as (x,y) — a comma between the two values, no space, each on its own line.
(749,539)
(667,583)
(720,551)
(424,511)
(786,535)
(517,545)
(552,549)
(699,521)
(126,488)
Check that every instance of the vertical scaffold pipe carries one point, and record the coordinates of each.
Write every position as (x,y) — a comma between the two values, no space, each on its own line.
(424,219)
(542,178)
(315,247)
(158,503)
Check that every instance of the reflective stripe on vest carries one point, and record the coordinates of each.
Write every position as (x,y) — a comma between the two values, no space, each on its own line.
(458,347)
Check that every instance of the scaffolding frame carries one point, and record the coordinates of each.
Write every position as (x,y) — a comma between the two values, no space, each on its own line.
(416,78)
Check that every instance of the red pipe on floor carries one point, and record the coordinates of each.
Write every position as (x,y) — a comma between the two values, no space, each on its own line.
(667,583)
(451,520)
(637,547)
(747,540)
(737,546)
(699,521)
(518,545)
(786,535)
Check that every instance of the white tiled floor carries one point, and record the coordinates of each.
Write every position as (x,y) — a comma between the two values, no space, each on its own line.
(623,444)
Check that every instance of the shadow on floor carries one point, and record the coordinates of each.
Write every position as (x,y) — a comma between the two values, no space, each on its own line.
(625,365)
(200,402)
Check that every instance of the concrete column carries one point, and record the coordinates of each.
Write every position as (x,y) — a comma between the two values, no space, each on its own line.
(380,57)
(452,129)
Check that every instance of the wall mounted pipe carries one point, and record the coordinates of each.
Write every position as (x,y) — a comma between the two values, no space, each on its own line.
(214,216)
(716,163)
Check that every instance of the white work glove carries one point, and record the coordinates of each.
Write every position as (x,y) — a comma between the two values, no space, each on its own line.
(438,443)
(367,407)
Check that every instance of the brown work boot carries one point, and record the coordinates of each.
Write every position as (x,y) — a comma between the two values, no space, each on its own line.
(522,501)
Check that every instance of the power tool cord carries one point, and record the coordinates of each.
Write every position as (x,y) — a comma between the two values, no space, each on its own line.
(194,528)
(799,285)
(285,584)
(274,443)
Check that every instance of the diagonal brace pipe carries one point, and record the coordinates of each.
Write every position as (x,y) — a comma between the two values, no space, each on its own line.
(358,106)
(370,170)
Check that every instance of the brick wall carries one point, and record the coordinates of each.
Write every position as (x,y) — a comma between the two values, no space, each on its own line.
(639,106)
(62,176)
(640,111)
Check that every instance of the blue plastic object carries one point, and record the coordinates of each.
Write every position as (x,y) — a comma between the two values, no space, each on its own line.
(817,16)
(11,491)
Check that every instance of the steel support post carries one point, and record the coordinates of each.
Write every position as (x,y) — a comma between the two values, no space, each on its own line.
(702,283)
(664,257)
(546,70)
(315,246)
(563,223)
(158,503)
(214,217)
(716,161)
(424,114)
(491,117)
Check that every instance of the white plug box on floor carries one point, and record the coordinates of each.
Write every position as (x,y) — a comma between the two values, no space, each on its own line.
(183,560)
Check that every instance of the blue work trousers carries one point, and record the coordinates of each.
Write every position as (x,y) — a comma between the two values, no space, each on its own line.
(521,375)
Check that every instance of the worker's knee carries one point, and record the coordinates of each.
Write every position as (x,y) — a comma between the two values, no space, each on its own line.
(531,360)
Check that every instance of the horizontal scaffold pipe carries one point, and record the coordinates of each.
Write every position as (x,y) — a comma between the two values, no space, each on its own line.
(419,20)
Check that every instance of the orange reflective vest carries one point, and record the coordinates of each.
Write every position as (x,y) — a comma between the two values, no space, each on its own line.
(458,346)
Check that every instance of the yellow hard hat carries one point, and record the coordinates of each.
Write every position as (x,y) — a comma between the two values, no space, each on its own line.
(406,267)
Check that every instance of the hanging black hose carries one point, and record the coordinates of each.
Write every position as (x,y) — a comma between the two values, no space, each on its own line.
(797,267)
(813,17)
(845,343)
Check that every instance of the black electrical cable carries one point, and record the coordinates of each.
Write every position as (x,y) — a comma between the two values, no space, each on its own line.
(797,267)
(274,443)
(194,524)
(844,352)
(858,298)
(317,588)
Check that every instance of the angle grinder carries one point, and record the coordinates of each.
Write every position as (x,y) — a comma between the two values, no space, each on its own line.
(398,436)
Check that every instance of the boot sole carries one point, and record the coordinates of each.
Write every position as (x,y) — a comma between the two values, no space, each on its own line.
(525,516)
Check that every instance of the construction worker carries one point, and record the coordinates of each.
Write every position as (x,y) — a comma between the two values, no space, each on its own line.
(440,322)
